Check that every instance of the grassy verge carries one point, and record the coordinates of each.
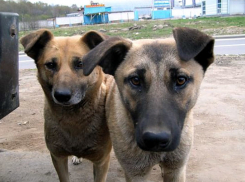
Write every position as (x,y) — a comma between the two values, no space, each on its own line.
(157,28)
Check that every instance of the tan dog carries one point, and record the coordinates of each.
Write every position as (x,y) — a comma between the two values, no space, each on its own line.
(75,104)
(149,105)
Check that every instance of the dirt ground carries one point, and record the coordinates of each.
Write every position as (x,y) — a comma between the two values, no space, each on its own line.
(218,154)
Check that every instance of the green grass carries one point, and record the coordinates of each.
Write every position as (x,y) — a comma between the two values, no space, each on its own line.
(210,25)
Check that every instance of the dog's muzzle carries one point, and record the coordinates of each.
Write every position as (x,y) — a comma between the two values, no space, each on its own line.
(156,142)
(68,97)
(63,96)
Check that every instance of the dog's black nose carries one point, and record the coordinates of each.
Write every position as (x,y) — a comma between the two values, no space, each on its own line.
(63,95)
(156,140)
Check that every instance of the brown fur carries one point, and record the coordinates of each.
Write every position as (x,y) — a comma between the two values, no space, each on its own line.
(151,122)
(74,110)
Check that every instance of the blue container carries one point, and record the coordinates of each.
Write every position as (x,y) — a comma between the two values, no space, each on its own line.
(96,19)
(160,14)
(136,16)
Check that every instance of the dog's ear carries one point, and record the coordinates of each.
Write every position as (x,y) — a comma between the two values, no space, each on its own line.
(108,54)
(192,43)
(93,38)
(35,42)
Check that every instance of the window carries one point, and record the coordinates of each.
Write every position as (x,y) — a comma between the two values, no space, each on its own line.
(219,6)
(203,8)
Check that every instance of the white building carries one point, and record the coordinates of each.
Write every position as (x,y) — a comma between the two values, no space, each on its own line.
(186,8)
(225,7)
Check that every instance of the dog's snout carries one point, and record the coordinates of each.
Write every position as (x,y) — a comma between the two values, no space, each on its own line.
(63,95)
(156,140)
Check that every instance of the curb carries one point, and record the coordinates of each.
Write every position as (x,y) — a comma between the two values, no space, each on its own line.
(228,36)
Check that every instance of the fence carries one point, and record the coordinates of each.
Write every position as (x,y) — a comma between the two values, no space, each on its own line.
(33,25)
(52,23)
(61,21)
(121,16)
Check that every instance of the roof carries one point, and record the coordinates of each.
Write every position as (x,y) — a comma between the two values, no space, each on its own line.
(120,11)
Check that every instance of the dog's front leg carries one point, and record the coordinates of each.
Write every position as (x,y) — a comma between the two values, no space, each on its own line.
(101,169)
(174,175)
(61,166)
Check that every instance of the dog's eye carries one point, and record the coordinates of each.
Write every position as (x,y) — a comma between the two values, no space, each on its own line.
(79,65)
(51,65)
(181,81)
(135,81)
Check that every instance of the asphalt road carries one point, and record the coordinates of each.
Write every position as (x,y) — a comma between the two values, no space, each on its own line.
(26,62)
(230,46)
(222,46)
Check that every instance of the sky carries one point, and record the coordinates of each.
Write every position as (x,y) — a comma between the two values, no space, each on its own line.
(122,3)
(117,5)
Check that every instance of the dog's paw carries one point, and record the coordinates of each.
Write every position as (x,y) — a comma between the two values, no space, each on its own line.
(75,160)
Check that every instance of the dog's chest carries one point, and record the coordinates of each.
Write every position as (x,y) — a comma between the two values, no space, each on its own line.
(77,135)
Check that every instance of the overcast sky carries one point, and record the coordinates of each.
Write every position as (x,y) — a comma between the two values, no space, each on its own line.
(117,5)
(106,2)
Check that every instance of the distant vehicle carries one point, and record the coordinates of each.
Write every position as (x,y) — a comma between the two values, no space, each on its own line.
(145,17)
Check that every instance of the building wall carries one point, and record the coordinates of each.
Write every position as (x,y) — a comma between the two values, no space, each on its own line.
(121,16)
(224,7)
(95,10)
(187,12)
(213,8)
(237,7)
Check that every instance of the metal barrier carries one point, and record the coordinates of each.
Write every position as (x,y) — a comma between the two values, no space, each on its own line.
(9,63)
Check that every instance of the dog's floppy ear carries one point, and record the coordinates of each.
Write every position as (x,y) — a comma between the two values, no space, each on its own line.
(108,54)
(93,38)
(35,42)
(192,43)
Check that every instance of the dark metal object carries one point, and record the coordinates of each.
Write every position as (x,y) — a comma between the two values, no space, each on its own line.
(9,63)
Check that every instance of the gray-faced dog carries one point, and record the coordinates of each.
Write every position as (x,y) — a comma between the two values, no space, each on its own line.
(74,111)
(149,107)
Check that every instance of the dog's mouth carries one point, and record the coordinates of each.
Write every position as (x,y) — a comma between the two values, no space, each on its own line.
(64,104)
(157,146)
(153,149)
